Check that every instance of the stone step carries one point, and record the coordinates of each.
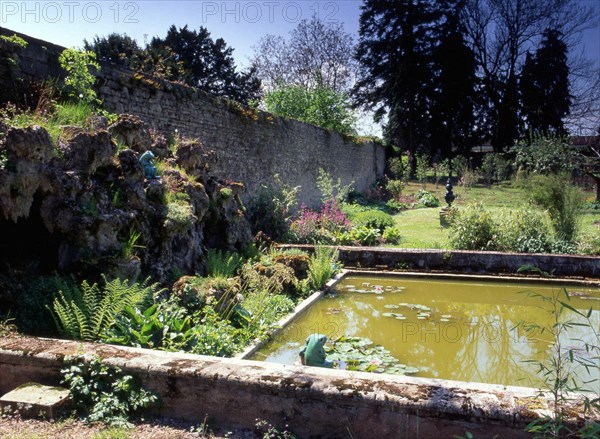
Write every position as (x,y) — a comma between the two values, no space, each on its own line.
(33,400)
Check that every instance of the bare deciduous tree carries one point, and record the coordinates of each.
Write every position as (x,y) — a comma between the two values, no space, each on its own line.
(501,32)
(315,52)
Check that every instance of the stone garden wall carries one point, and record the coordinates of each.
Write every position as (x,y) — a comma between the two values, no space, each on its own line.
(468,262)
(251,147)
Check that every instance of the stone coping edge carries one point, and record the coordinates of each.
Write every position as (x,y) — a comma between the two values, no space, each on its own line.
(312,401)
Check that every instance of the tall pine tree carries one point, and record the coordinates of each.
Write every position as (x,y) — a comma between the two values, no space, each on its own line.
(416,68)
(544,87)
(453,118)
(396,74)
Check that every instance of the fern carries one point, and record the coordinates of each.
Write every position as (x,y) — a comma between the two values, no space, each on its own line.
(222,264)
(83,313)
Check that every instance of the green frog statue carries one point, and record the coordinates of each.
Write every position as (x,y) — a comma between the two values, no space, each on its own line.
(313,353)
(148,165)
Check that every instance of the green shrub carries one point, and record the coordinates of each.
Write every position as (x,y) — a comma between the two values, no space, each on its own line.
(562,247)
(589,244)
(102,393)
(395,188)
(361,235)
(272,208)
(427,199)
(545,155)
(168,326)
(84,313)
(474,229)
(164,325)
(494,168)
(399,167)
(330,190)
(391,235)
(179,216)
(14,40)
(561,199)
(221,263)
(215,337)
(375,219)
(79,81)
(264,309)
(524,231)
(322,266)
(394,206)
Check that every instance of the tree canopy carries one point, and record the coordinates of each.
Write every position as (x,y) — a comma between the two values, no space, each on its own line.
(183,55)
(445,74)
(315,52)
(318,105)
(545,87)
(416,69)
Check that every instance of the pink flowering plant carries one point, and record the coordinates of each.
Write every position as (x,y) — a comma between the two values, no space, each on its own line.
(319,227)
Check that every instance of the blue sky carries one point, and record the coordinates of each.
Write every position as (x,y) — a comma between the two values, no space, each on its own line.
(240,23)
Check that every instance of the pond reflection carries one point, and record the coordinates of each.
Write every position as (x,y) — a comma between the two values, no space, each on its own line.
(447,329)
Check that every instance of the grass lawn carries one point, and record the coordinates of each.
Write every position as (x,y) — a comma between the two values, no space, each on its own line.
(420,228)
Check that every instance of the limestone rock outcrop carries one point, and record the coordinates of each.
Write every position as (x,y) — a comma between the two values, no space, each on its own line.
(94,201)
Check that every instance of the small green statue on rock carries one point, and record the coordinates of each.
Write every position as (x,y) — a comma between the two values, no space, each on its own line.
(149,168)
(313,353)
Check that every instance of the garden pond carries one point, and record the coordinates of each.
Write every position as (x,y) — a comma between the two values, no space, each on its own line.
(464,330)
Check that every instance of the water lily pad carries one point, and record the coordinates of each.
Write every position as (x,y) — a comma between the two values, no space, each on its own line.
(366,284)
(444,320)
(446,316)
(400,318)
(361,354)
(388,314)
(392,306)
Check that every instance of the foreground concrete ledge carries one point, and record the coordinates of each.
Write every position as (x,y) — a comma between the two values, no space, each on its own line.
(460,261)
(312,401)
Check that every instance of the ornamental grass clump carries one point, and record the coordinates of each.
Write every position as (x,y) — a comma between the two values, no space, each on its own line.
(322,266)
(561,199)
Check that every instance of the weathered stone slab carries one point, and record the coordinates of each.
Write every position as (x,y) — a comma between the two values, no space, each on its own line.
(32,400)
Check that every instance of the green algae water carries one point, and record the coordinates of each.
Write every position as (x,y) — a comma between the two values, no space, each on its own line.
(457,330)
